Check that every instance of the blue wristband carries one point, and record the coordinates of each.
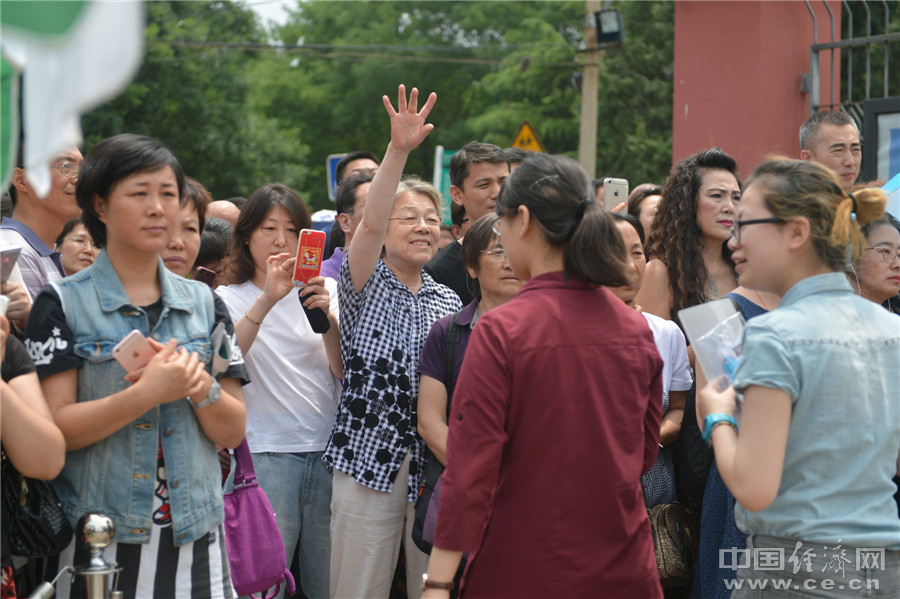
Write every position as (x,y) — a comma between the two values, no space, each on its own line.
(710,422)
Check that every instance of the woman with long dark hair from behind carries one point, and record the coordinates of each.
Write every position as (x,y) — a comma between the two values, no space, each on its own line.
(558,357)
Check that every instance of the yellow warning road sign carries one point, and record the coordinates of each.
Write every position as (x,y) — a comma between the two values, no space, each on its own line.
(527,138)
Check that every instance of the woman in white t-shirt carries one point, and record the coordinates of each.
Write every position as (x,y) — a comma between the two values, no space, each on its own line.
(659,481)
(294,375)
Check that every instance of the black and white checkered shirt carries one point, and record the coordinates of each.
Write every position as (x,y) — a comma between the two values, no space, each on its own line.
(383,328)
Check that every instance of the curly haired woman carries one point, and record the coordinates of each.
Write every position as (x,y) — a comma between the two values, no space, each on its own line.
(690,262)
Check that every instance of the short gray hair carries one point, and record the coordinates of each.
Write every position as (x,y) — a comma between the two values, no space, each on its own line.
(810,129)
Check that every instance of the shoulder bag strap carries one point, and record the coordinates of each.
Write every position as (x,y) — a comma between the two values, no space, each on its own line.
(244,474)
(451,349)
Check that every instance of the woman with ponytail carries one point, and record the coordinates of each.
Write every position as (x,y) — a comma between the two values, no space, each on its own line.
(556,412)
(811,458)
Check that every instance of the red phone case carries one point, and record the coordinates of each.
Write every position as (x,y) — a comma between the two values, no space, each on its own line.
(309,256)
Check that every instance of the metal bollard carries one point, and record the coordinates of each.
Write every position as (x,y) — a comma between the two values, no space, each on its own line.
(94,532)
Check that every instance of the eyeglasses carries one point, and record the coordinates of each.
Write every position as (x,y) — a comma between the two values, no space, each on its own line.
(411,220)
(68,169)
(738,224)
(497,253)
(81,241)
(887,254)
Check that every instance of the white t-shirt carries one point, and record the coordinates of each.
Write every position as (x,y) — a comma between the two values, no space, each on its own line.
(672,347)
(292,395)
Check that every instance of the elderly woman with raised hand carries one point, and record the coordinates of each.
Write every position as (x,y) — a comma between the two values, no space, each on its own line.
(388,305)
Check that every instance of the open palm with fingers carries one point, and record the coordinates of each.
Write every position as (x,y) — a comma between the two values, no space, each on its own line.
(408,127)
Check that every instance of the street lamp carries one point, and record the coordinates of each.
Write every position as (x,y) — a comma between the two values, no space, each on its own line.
(610,26)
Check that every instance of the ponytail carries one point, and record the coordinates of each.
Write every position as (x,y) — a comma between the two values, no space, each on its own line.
(558,195)
(596,252)
(855,210)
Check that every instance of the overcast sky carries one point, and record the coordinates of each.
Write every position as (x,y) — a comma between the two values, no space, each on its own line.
(270,10)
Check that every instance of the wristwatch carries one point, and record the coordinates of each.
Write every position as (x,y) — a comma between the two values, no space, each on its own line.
(710,422)
(215,391)
(430,584)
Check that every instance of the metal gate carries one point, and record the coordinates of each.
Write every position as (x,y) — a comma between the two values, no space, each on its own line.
(869,44)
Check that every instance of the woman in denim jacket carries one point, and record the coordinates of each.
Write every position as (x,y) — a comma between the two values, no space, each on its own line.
(141,445)
(811,460)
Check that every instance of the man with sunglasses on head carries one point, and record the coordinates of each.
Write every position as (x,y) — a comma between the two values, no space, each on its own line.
(36,222)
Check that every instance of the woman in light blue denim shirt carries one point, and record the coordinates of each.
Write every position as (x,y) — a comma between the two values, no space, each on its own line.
(141,445)
(812,458)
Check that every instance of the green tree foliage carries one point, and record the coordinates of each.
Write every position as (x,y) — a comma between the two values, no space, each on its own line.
(492,64)
(241,106)
(195,99)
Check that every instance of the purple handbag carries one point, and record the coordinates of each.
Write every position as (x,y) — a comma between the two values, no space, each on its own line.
(255,549)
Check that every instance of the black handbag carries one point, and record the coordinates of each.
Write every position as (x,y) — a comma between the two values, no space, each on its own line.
(35,523)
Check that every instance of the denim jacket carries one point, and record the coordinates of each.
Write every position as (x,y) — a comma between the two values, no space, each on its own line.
(116,475)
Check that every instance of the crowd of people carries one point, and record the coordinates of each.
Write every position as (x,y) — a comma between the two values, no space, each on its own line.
(531,355)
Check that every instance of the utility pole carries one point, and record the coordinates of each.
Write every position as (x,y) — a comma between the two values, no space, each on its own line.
(587,138)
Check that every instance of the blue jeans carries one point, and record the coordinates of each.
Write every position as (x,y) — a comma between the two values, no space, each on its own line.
(299,488)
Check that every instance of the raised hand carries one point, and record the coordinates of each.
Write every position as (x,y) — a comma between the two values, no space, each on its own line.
(408,127)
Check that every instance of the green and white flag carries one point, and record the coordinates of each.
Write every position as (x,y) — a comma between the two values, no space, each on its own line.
(73,56)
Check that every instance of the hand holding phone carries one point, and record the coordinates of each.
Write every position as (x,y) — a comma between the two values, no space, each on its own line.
(205,275)
(133,352)
(8,258)
(316,315)
(615,191)
(310,251)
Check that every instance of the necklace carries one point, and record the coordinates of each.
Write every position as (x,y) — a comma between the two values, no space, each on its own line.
(761,300)
(714,285)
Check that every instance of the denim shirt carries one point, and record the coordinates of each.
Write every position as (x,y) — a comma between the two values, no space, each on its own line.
(116,475)
(837,356)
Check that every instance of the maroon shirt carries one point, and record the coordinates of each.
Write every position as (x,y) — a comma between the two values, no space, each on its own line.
(555,417)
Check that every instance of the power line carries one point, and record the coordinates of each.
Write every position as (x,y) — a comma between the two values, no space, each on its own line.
(331,51)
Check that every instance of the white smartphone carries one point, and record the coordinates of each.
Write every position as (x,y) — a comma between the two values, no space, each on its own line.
(133,352)
(615,191)
(4,304)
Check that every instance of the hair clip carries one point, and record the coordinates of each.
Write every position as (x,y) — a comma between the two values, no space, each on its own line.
(542,181)
(855,206)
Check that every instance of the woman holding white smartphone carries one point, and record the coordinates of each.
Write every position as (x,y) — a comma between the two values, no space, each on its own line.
(141,446)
